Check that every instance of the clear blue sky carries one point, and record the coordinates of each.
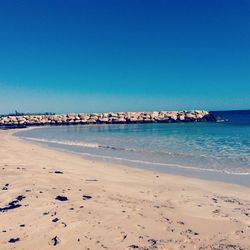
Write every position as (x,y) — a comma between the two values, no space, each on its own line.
(89,55)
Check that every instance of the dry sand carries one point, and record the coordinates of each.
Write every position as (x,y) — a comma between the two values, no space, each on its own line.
(111,206)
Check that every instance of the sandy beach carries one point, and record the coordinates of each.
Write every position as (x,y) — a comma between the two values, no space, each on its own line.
(56,200)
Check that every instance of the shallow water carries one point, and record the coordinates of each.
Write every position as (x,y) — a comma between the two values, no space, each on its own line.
(208,150)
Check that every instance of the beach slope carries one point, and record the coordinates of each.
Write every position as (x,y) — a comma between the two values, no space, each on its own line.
(57,200)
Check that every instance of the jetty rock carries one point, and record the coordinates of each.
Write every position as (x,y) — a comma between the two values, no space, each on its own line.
(15,121)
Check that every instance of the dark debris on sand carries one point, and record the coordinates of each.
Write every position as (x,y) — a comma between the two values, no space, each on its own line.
(58,172)
(13,240)
(55,220)
(55,241)
(134,246)
(5,186)
(86,197)
(61,198)
(13,204)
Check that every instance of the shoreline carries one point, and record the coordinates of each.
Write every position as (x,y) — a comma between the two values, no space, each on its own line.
(242,179)
(110,164)
(123,208)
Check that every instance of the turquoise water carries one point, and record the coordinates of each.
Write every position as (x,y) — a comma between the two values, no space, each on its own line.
(196,149)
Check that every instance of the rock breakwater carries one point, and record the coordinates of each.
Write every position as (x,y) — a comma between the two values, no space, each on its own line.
(107,118)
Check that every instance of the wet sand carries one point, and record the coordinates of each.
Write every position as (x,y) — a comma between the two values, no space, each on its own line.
(57,200)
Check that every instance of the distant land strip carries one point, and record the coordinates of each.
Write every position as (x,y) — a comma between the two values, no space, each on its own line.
(18,121)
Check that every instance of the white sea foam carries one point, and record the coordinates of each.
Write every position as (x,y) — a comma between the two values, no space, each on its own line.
(81,144)
(166,164)
(70,143)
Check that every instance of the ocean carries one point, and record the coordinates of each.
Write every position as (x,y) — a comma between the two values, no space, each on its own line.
(214,151)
